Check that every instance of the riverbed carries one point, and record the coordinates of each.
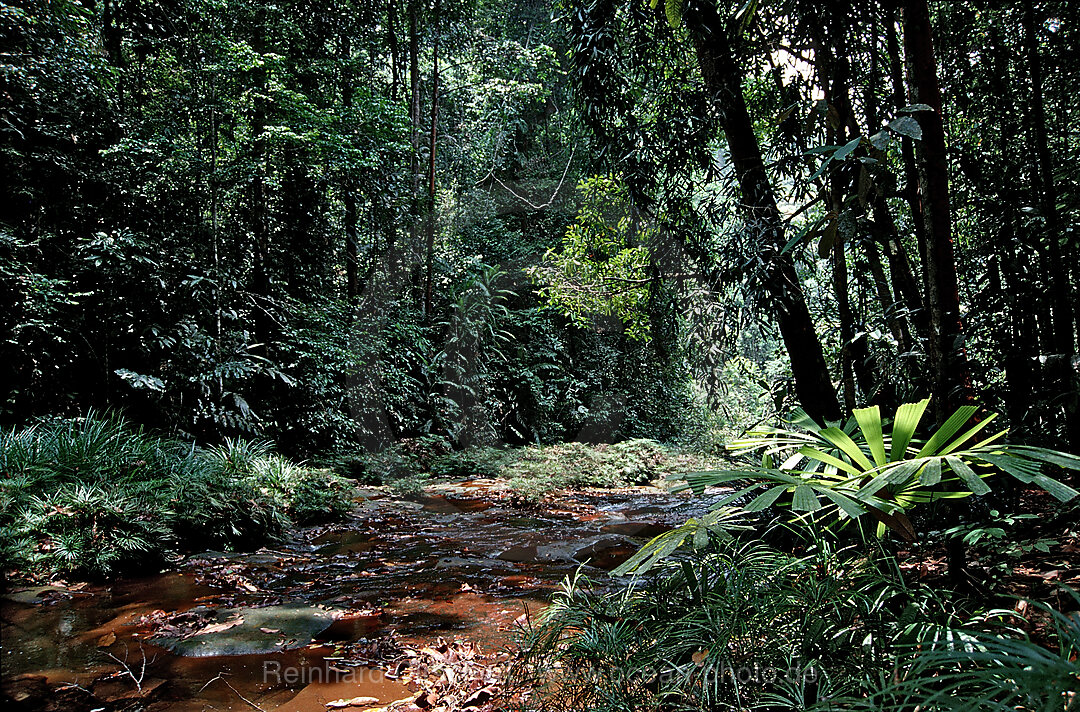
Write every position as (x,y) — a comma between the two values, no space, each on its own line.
(334,613)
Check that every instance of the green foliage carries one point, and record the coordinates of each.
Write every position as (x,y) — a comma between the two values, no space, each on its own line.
(731,626)
(219,231)
(411,464)
(992,670)
(86,528)
(601,269)
(96,495)
(869,468)
(542,470)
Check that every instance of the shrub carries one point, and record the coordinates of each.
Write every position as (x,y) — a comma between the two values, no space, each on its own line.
(969,671)
(872,468)
(96,495)
(543,469)
(731,626)
(472,463)
(409,465)
(86,527)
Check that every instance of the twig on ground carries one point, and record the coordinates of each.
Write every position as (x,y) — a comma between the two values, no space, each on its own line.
(221,676)
(137,679)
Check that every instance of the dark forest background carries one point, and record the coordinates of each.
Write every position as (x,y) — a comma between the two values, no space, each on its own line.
(337,225)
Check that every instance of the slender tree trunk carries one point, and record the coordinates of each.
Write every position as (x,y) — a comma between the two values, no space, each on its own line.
(723,78)
(905,286)
(1018,341)
(219,275)
(907,149)
(905,283)
(847,325)
(834,70)
(1059,298)
(831,76)
(1021,344)
(395,52)
(112,36)
(260,226)
(429,252)
(948,359)
(897,325)
(414,132)
(349,184)
(1059,285)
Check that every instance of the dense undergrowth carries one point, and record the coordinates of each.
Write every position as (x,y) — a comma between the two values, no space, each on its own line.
(540,470)
(817,613)
(739,624)
(532,472)
(735,625)
(98,495)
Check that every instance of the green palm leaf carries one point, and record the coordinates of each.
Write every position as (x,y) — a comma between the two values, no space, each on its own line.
(904,425)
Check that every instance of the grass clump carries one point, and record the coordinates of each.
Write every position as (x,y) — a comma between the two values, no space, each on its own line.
(734,625)
(533,472)
(541,470)
(97,495)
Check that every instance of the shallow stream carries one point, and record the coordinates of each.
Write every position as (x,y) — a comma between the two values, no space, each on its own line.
(296,625)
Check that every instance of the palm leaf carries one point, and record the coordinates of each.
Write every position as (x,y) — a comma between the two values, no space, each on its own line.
(931,473)
(766,499)
(804,499)
(905,423)
(828,459)
(955,444)
(947,430)
(844,442)
(869,420)
(967,475)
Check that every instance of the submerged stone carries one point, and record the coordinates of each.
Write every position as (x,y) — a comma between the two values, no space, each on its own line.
(247,631)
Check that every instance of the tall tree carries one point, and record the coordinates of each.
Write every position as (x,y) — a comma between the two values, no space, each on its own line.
(948,358)
(1061,308)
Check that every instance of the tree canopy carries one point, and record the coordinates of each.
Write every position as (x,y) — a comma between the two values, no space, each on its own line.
(535,221)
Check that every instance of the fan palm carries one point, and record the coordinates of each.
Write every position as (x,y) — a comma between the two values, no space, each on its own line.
(867,467)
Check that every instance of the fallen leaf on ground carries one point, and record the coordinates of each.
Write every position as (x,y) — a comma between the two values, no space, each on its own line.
(218,627)
(426,700)
(106,640)
(352,702)
(479,697)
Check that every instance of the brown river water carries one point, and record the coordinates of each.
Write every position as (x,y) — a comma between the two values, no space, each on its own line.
(464,561)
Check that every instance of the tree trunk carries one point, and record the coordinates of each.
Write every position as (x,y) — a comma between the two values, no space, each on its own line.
(112,35)
(429,252)
(260,226)
(348,189)
(897,325)
(905,283)
(907,152)
(1021,347)
(906,295)
(1058,270)
(395,52)
(948,359)
(834,72)
(414,128)
(723,78)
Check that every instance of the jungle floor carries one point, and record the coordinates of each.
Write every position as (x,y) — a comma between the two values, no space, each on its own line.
(408,605)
